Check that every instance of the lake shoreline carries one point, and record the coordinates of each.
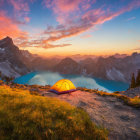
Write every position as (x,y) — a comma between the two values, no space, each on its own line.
(49,78)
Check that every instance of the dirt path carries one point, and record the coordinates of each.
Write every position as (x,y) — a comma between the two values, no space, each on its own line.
(122,121)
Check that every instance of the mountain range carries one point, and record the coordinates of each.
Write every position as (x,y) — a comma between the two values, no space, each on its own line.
(15,62)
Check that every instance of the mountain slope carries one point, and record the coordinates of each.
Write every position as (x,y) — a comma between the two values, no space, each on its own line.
(11,59)
(43,63)
(112,68)
(68,66)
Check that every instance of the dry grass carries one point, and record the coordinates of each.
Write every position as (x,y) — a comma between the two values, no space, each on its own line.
(134,102)
(29,117)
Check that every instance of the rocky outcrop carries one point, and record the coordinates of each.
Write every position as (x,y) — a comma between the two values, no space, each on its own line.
(11,59)
(132,92)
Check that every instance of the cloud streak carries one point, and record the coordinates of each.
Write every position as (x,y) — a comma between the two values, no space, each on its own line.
(39,43)
(131,18)
(65,9)
(137,49)
(86,21)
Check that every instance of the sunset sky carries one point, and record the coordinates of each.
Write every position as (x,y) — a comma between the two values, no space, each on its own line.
(67,27)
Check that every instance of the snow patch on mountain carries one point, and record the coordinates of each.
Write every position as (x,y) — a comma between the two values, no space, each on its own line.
(2,49)
(114,74)
(7,70)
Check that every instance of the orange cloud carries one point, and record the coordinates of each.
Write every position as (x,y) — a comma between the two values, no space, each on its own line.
(74,16)
(8,27)
(136,49)
(24,42)
(70,27)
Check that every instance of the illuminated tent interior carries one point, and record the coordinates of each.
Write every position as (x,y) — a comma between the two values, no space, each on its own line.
(63,86)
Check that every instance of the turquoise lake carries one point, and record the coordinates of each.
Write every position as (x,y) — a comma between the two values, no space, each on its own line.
(50,78)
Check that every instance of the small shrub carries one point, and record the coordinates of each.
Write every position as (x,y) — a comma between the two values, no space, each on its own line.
(134,101)
(1,82)
(116,92)
(34,93)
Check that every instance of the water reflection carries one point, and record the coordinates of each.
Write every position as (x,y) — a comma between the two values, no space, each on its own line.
(50,78)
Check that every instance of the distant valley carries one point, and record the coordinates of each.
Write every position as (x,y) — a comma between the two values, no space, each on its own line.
(15,62)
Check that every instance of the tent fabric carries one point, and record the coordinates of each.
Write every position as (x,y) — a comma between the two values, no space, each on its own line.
(63,86)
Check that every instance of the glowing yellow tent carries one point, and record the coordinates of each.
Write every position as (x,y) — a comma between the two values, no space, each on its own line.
(63,86)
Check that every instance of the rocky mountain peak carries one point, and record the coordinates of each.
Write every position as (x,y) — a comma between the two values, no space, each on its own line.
(68,60)
(6,40)
(12,61)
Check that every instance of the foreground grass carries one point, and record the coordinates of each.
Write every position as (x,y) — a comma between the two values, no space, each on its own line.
(134,102)
(29,117)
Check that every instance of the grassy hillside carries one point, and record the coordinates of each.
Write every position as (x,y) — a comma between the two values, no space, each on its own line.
(30,117)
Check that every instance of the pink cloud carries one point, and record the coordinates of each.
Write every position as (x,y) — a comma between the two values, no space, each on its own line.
(86,6)
(21,8)
(74,17)
(9,27)
(63,5)
(19,5)
(65,9)
(1,2)
(67,5)
(86,36)
(27,19)
(72,21)
(88,20)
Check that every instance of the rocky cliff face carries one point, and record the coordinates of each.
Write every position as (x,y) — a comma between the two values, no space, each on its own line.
(112,68)
(11,59)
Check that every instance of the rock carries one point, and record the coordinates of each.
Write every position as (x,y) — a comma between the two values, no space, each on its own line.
(125,118)
(81,104)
